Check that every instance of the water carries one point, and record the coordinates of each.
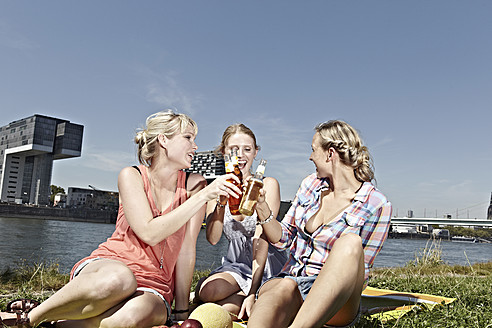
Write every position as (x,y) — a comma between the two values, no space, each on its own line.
(63,242)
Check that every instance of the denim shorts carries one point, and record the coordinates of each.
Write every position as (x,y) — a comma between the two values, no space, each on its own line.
(304,285)
(143,289)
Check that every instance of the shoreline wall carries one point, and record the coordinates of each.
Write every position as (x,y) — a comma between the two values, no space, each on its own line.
(51,213)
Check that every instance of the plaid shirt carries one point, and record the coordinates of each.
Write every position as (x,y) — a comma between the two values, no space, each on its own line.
(368,216)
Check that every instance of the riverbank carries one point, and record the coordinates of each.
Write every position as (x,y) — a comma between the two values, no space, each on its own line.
(469,285)
(53,213)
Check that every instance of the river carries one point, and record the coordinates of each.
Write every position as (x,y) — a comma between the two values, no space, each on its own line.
(34,241)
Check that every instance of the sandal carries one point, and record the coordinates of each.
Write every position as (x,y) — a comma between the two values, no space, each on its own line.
(27,305)
(22,320)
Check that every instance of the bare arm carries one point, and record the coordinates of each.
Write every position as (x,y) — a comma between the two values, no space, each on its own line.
(215,222)
(271,193)
(186,260)
(139,215)
(272,230)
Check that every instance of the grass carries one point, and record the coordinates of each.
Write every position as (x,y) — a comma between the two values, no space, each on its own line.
(471,285)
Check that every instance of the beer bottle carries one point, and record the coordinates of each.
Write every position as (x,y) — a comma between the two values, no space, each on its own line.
(234,202)
(229,169)
(252,192)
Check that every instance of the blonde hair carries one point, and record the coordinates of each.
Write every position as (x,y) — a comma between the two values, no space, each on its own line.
(167,123)
(233,129)
(348,144)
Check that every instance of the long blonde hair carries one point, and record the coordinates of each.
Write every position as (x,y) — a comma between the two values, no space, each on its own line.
(167,123)
(347,142)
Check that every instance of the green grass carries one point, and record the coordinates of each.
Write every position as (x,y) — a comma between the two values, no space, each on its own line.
(471,285)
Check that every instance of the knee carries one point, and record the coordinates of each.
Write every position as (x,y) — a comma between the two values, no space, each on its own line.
(350,245)
(119,280)
(282,289)
(207,291)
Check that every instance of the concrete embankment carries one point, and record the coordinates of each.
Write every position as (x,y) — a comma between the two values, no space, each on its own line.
(50,213)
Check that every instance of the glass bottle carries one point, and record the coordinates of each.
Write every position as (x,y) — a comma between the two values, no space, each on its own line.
(252,192)
(229,168)
(234,202)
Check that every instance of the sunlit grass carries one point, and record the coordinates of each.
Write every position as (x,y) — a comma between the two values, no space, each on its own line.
(471,285)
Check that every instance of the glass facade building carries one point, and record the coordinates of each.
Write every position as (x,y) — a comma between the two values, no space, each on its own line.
(28,148)
(208,164)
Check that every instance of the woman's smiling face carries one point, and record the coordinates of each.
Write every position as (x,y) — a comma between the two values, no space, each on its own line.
(246,150)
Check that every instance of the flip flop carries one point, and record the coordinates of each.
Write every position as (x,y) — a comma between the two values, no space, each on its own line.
(27,305)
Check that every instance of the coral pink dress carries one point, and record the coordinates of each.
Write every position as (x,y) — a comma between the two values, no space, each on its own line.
(144,260)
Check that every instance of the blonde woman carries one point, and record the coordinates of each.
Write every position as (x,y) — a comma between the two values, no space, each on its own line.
(132,279)
(334,229)
(249,260)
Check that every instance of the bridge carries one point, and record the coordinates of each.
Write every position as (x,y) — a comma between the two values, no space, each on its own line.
(443,221)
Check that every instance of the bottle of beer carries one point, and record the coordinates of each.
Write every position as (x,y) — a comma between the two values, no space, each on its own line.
(250,197)
(234,202)
(229,168)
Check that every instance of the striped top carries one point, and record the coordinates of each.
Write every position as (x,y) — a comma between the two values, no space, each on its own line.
(368,216)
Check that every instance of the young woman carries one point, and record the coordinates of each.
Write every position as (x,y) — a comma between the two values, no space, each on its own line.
(249,260)
(132,279)
(335,228)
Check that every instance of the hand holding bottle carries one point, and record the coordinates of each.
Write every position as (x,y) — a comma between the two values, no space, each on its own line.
(252,190)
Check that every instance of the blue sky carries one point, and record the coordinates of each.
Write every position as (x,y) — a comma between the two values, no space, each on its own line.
(414,77)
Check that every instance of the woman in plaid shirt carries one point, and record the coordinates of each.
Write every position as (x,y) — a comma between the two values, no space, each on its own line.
(334,229)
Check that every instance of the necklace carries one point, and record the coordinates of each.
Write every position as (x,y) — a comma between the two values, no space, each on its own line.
(162,244)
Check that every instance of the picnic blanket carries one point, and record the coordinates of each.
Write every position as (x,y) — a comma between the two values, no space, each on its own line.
(386,305)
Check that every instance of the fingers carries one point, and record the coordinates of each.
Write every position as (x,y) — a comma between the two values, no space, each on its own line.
(224,186)
(241,313)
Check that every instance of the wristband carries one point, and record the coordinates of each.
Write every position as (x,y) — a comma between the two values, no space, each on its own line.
(180,311)
(218,203)
(268,219)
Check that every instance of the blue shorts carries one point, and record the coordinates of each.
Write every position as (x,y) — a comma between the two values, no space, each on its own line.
(304,284)
(143,289)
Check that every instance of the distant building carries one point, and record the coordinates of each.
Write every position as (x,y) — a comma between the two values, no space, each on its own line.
(28,148)
(92,198)
(60,200)
(489,215)
(208,164)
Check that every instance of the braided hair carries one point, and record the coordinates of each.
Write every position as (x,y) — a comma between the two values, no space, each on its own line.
(348,144)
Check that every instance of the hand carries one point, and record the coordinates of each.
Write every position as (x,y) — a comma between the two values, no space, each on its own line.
(221,187)
(248,303)
(262,196)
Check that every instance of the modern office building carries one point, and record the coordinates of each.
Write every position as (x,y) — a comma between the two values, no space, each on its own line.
(28,148)
(208,164)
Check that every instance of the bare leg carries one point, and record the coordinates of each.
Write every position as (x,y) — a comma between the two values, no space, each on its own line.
(218,287)
(277,304)
(143,309)
(100,286)
(222,288)
(233,303)
(336,293)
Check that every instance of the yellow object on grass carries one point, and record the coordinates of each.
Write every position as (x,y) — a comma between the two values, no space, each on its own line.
(385,304)
(212,315)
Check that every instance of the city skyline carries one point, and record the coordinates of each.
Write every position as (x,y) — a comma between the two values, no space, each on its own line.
(414,78)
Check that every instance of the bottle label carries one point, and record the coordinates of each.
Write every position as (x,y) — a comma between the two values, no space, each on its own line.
(260,169)
(229,167)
